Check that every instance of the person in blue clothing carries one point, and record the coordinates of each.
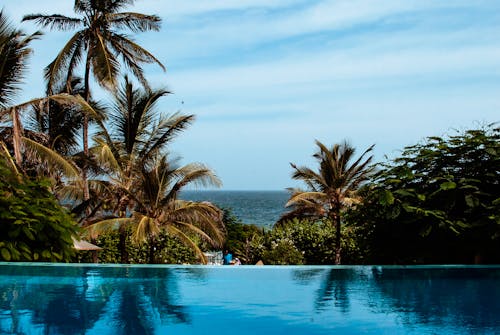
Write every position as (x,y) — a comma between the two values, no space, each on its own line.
(227,258)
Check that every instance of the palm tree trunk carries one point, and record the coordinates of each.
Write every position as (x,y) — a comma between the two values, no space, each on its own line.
(338,238)
(122,246)
(152,250)
(86,93)
(16,138)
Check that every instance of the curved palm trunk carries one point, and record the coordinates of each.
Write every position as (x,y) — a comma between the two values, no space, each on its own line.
(86,193)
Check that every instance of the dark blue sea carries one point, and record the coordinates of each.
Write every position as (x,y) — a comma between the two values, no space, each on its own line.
(262,208)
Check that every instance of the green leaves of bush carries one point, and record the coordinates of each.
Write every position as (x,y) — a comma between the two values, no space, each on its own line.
(33,226)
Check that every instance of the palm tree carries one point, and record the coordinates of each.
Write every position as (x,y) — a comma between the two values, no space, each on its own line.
(14,53)
(128,151)
(98,43)
(332,188)
(157,208)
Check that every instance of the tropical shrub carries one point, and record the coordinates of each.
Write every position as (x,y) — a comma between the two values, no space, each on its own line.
(437,203)
(33,226)
(169,250)
(304,242)
(239,237)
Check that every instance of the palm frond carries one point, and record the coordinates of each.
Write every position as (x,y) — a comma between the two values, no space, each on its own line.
(14,52)
(194,174)
(306,198)
(165,131)
(146,228)
(173,231)
(136,22)
(105,67)
(54,22)
(65,62)
(105,226)
(4,152)
(52,158)
(133,51)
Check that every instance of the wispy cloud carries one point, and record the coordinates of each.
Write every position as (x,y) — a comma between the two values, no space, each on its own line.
(267,77)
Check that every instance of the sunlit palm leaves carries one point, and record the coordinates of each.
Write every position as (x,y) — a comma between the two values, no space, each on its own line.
(97,41)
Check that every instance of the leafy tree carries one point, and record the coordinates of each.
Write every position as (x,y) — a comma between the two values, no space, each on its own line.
(239,237)
(33,226)
(332,188)
(98,43)
(438,202)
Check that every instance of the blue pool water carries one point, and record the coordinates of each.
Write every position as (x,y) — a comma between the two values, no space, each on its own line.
(103,299)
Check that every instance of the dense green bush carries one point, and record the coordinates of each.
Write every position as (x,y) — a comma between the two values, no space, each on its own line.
(436,203)
(169,250)
(33,226)
(303,242)
(239,236)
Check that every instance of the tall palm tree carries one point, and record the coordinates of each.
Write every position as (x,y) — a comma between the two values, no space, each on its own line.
(332,188)
(137,135)
(99,44)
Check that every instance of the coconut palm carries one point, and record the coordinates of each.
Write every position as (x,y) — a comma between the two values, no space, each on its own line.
(332,188)
(137,135)
(157,207)
(99,44)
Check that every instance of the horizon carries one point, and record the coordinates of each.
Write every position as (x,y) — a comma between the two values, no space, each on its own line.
(267,78)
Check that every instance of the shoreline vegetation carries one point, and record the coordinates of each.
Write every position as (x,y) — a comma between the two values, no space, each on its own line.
(73,167)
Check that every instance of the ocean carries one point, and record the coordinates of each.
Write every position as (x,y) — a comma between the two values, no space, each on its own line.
(262,208)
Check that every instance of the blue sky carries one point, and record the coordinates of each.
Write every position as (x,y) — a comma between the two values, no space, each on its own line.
(268,77)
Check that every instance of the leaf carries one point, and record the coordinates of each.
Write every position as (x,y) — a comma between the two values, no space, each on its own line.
(426,231)
(28,233)
(471,201)
(46,254)
(386,198)
(449,185)
(5,254)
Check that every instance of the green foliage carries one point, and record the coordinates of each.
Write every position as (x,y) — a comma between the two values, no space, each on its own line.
(438,202)
(303,242)
(332,188)
(169,250)
(33,226)
(239,237)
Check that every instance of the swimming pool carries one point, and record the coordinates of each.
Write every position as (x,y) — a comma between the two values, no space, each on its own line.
(105,299)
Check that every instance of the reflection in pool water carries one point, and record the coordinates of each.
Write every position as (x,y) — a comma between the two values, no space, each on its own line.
(102,299)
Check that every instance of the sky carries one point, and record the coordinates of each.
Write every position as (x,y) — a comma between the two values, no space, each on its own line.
(266,78)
